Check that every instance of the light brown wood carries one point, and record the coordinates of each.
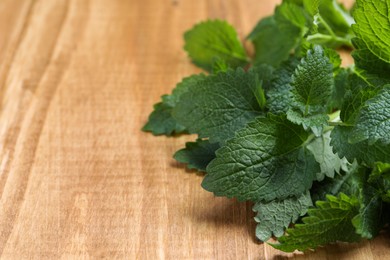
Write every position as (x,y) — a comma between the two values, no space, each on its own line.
(78,179)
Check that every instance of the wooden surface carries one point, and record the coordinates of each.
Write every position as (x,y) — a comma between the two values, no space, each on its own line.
(78,179)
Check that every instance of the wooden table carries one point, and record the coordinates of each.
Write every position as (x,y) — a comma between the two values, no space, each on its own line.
(78,179)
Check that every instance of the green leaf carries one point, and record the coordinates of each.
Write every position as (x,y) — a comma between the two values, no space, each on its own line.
(260,95)
(311,6)
(220,65)
(363,152)
(367,61)
(334,58)
(210,41)
(279,94)
(276,36)
(273,217)
(160,120)
(265,73)
(372,26)
(372,213)
(312,86)
(386,198)
(219,105)
(329,222)
(381,170)
(289,13)
(324,155)
(336,16)
(373,123)
(312,81)
(266,160)
(341,82)
(197,155)
(297,2)
(313,122)
(347,182)
(358,91)
(267,38)
(369,222)
(380,178)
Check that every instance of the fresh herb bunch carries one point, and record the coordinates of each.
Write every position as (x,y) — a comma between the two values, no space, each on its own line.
(306,140)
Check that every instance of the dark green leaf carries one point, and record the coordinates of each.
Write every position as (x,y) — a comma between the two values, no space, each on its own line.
(276,36)
(362,151)
(160,120)
(347,182)
(279,94)
(367,61)
(340,87)
(197,155)
(264,161)
(373,123)
(358,91)
(219,105)
(369,221)
(265,73)
(312,86)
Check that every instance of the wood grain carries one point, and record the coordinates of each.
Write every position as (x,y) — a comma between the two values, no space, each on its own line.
(78,179)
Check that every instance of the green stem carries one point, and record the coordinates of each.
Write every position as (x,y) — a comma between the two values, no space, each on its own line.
(336,40)
(326,25)
(339,124)
(332,37)
(308,140)
(333,124)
